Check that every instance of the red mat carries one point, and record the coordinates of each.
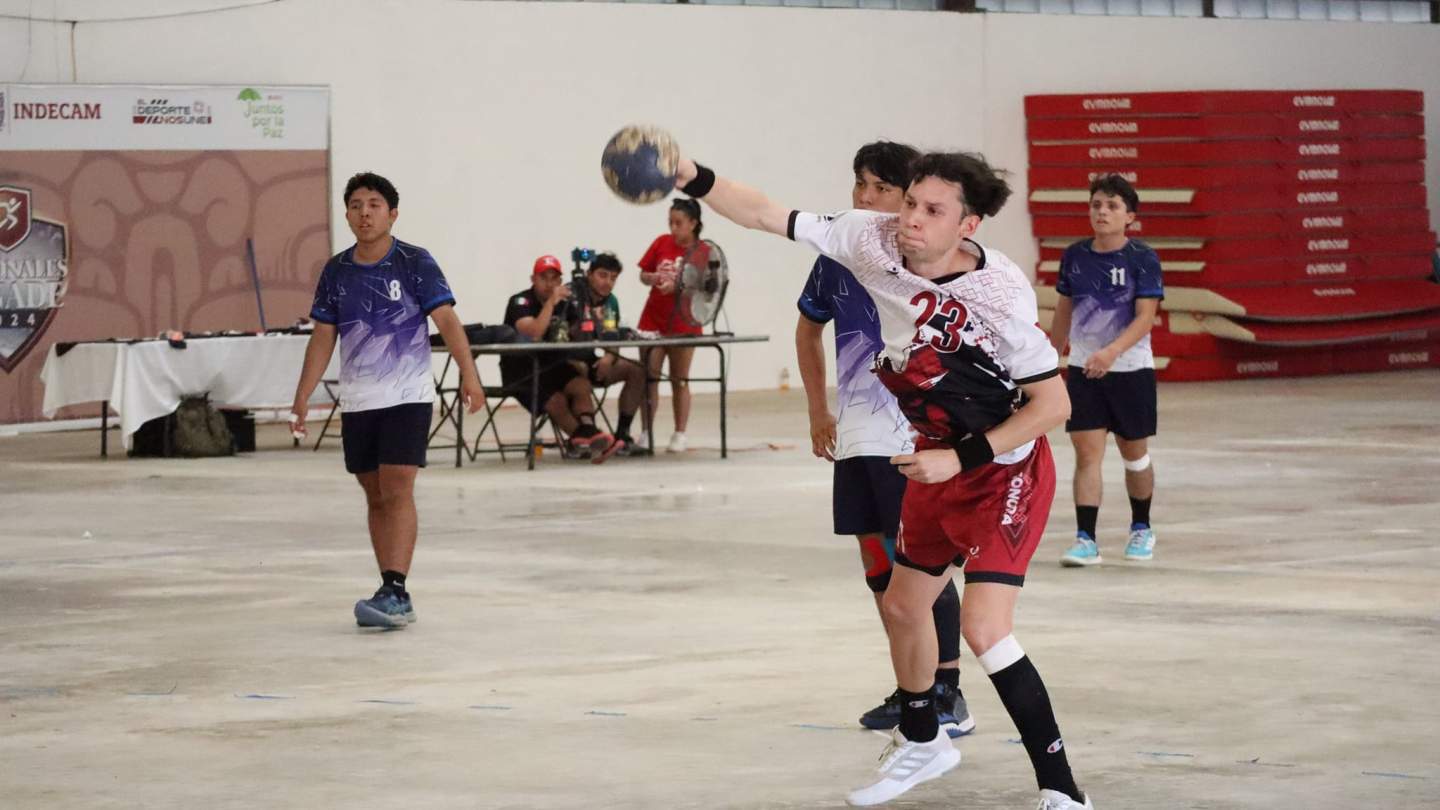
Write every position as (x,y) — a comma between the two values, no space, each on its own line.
(1230,200)
(1358,360)
(1223,177)
(1278,271)
(1295,302)
(1212,153)
(1222,127)
(1220,226)
(1309,302)
(1221,102)
(1252,249)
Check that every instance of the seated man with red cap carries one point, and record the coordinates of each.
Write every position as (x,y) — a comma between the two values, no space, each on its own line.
(564,385)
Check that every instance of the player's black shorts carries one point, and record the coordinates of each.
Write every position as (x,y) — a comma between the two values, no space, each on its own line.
(1122,402)
(867,495)
(554,376)
(394,435)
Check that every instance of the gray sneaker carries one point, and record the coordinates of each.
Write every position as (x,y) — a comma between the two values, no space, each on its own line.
(955,719)
(385,609)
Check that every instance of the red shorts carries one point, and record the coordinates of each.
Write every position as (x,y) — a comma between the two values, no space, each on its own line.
(988,520)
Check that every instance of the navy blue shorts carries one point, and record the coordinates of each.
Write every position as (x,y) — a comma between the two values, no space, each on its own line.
(394,435)
(867,495)
(1122,402)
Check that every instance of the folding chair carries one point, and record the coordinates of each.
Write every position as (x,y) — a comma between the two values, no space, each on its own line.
(331,387)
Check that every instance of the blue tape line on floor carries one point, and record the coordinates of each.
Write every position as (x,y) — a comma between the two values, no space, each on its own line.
(598,713)
(1389,775)
(488,708)
(388,702)
(1163,754)
(264,697)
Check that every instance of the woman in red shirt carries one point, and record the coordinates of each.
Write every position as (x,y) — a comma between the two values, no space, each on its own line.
(660,270)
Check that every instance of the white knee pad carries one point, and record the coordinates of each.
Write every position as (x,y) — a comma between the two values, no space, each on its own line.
(1140,464)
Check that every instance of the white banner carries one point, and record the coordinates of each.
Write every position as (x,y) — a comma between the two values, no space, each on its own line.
(168,117)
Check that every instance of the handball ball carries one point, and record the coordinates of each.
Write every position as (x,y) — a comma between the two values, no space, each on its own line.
(639,164)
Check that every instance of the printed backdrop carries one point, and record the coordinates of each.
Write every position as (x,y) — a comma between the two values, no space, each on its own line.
(125,211)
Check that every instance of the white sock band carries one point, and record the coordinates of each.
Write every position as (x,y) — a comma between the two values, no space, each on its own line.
(1005,652)
(1138,465)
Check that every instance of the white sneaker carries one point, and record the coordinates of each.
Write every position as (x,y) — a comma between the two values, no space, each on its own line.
(1055,800)
(678,444)
(904,765)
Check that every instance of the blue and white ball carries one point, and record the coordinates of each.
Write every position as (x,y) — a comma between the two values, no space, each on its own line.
(640,163)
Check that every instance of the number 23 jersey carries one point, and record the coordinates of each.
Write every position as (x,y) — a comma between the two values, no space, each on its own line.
(956,349)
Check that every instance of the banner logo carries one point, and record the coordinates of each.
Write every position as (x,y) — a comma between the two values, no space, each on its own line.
(161,111)
(33,268)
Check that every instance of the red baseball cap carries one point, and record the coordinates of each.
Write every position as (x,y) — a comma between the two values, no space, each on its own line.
(547,263)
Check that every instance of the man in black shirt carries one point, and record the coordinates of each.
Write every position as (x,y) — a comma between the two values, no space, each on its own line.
(564,385)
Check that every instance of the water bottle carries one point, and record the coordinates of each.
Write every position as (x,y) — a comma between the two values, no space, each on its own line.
(785,379)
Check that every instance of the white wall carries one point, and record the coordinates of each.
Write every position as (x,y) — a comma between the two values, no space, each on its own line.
(490,116)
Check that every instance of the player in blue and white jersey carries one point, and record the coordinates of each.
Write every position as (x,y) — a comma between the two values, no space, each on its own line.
(867,488)
(1109,293)
(375,297)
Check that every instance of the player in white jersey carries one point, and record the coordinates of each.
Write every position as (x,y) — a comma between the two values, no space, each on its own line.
(870,430)
(978,380)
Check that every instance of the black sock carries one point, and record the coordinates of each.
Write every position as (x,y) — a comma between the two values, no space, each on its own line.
(1025,698)
(584,430)
(623,425)
(949,676)
(1140,510)
(947,623)
(394,580)
(1085,517)
(918,720)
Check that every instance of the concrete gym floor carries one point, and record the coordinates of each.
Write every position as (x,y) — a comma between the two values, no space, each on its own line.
(685,632)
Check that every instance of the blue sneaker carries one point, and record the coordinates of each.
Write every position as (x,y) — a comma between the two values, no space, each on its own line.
(955,719)
(1085,552)
(385,609)
(1142,543)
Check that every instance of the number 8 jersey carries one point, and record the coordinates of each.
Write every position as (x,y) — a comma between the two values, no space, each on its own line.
(956,348)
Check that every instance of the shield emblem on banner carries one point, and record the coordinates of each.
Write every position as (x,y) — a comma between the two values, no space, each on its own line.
(14,217)
(29,301)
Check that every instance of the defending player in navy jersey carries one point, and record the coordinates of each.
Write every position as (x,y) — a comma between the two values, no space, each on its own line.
(870,430)
(1109,292)
(375,298)
(978,379)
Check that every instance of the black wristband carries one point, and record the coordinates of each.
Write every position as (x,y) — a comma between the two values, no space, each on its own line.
(974,451)
(701,185)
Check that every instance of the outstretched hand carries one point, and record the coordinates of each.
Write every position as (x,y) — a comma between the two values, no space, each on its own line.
(685,171)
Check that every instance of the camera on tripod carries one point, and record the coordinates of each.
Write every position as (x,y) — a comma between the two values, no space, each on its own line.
(583,324)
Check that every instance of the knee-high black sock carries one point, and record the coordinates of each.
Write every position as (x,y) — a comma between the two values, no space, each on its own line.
(1140,511)
(622,425)
(1085,517)
(1025,699)
(918,720)
(947,623)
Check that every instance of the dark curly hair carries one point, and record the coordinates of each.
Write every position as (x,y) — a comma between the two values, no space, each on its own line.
(983,188)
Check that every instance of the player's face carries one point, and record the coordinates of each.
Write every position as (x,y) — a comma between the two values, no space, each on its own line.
(933,220)
(682,227)
(545,283)
(1108,214)
(873,194)
(602,282)
(369,216)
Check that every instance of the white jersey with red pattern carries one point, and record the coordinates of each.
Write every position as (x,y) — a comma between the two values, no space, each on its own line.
(955,351)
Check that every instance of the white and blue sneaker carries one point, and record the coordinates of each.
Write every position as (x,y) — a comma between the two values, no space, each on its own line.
(1142,543)
(385,609)
(1085,552)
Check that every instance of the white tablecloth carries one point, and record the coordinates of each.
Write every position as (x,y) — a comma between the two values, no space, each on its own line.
(143,381)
